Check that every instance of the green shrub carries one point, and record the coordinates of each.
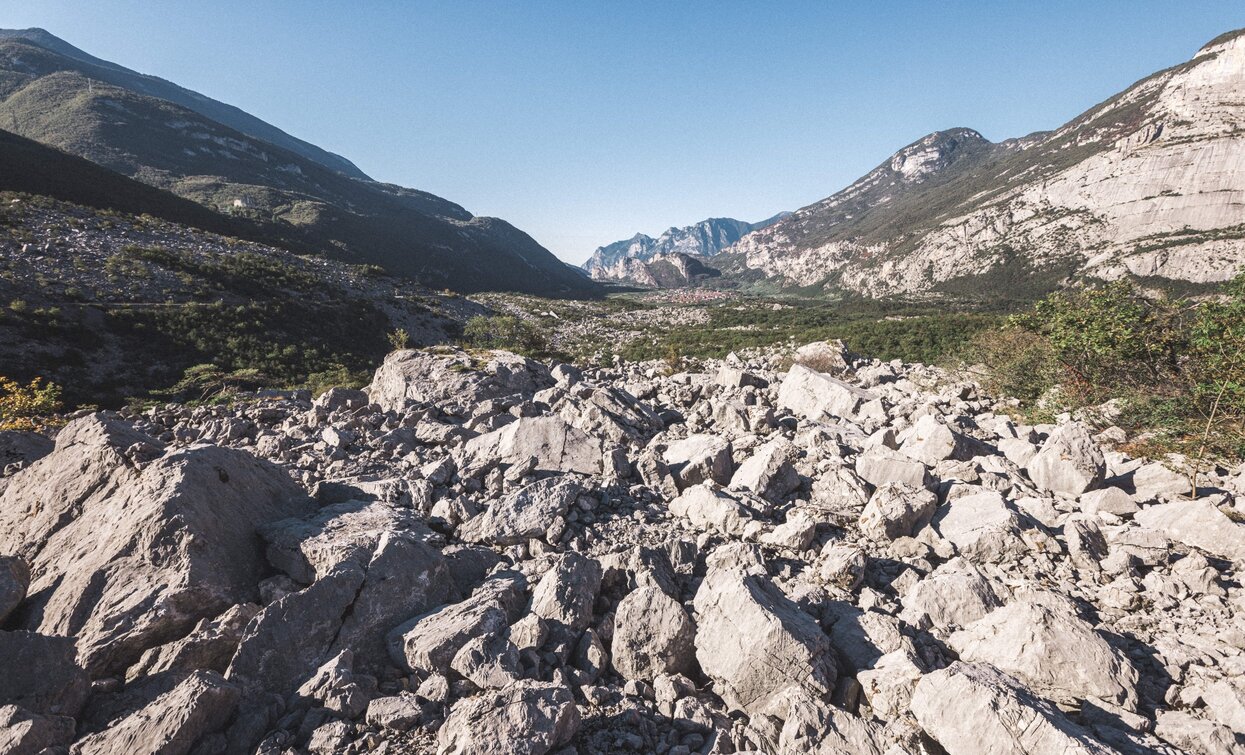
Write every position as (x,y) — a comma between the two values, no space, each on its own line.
(1021,363)
(1177,366)
(505,332)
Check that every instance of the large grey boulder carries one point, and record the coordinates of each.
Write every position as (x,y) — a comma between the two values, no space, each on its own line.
(39,674)
(1070,461)
(288,640)
(526,718)
(1193,734)
(310,547)
(955,595)
(712,510)
(14,582)
(881,465)
(429,642)
(930,441)
(1198,524)
(555,445)
(653,635)
(699,458)
(769,472)
(171,724)
(523,514)
(567,591)
(897,510)
(1053,651)
(757,645)
(980,525)
(450,375)
(127,556)
(26,733)
(819,397)
(971,708)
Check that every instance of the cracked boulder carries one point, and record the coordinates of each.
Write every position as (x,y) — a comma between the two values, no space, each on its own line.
(1053,651)
(126,556)
(525,718)
(411,376)
(653,635)
(757,645)
(555,445)
(994,713)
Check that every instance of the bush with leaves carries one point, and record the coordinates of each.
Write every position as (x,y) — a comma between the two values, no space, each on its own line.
(505,332)
(29,407)
(1178,366)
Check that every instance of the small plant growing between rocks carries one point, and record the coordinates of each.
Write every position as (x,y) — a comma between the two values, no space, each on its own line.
(29,407)
(399,339)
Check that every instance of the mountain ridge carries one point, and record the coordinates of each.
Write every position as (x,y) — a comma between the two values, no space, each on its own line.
(1037,209)
(53,99)
(625,260)
(229,115)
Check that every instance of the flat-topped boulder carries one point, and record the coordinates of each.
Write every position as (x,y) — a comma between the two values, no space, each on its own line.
(411,376)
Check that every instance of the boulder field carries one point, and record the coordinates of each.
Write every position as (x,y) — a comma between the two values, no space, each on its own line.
(481,553)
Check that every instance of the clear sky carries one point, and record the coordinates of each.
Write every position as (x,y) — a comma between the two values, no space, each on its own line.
(583,122)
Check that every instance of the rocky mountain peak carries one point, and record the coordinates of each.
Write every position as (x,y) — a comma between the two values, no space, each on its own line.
(934,152)
(1233,41)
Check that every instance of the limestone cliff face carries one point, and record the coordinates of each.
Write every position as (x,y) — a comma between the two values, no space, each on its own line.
(1149,183)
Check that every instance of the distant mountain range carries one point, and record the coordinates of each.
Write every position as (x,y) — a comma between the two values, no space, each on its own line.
(223,158)
(1149,184)
(628,260)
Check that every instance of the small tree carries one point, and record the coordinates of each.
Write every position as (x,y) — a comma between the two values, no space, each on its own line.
(399,339)
(207,382)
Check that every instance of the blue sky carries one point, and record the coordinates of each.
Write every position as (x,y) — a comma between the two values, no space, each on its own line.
(584,122)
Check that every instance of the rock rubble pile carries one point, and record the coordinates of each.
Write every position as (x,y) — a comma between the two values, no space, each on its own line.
(483,554)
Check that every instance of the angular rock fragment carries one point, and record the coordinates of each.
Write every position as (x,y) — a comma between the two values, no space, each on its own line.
(557,447)
(428,643)
(1070,461)
(653,635)
(768,472)
(819,397)
(288,640)
(566,592)
(1198,524)
(171,724)
(209,646)
(881,465)
(993,713)
(896,510)
(526,718)
(410,376)
(1054,652)
(523,514)
(757,645)
(700,458)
